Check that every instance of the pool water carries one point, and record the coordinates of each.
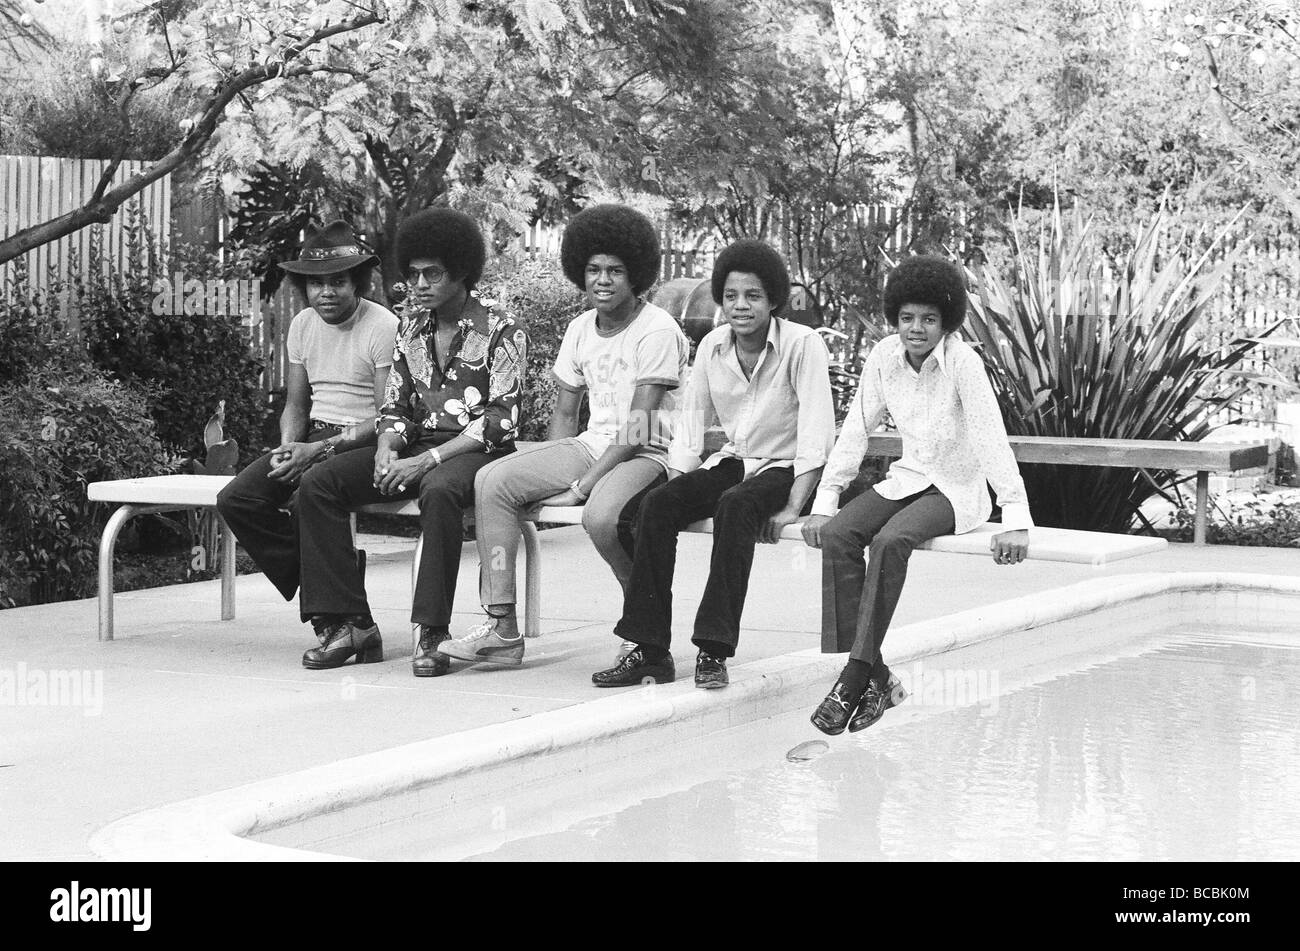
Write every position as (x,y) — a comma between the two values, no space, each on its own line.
(1189,751)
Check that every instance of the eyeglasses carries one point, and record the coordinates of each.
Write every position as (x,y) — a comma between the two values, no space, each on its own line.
(431,274)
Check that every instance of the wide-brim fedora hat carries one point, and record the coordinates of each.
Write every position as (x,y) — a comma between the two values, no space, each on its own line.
(329,250)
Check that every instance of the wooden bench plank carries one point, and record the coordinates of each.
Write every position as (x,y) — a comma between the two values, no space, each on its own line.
(1119,453)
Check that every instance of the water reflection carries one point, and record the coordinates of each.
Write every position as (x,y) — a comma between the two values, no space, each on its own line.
(1187,752)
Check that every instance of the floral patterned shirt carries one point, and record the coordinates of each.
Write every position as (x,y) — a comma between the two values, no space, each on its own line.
(474,392)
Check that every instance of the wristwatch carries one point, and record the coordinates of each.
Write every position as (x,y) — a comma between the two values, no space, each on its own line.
(577,491)
(436,456)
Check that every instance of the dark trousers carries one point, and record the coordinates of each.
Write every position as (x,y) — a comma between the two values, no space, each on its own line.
(260,511)
(738,509)
(858,598)
(331,580)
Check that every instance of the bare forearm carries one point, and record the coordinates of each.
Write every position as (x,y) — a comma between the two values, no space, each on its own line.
(610,458)
(562,426)
(293,424)
(802,490)
(458,446)
(355,436)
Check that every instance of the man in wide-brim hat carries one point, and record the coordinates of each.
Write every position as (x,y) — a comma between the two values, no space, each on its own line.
(340,349)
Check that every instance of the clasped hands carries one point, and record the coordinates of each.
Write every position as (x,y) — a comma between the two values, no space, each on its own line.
(290,460)
(392,475)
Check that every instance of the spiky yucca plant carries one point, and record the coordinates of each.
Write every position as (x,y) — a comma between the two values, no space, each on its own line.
(1077,347)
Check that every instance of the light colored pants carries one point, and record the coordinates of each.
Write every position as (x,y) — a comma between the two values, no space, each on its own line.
(506,488)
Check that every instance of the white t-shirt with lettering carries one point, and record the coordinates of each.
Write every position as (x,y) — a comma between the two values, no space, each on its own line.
(341,359)
(610,366)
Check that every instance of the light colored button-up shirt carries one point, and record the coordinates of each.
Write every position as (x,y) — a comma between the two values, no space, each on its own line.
(953,436)
(780,416)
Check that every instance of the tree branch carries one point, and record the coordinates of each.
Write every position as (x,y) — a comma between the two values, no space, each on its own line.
(1268,176)
(104,203)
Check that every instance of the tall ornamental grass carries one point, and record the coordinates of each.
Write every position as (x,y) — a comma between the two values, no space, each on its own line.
(1080,346)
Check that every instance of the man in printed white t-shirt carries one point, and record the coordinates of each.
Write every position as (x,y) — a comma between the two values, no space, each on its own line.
(340,349)
(628,356)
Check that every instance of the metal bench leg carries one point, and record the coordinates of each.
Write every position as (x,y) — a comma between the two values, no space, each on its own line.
(532,582)
(1202,506)
(415,575)
(227,571)
(107,542)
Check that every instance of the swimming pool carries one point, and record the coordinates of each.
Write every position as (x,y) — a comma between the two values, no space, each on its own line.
(1088,696)
(1187,751)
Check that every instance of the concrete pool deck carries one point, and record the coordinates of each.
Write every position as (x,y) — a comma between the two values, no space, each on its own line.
(192,705)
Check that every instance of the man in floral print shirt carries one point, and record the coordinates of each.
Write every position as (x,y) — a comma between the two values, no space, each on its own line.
(451,405)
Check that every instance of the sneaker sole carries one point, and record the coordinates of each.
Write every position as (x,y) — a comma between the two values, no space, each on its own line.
(712,684)
(494,660)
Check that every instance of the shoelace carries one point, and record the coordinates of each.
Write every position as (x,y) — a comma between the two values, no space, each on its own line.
(874,695)
(483,629)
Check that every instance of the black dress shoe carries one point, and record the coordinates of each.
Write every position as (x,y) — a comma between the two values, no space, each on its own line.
(322,624)
(351,637)
(832,714)
(875,702)
(635,668)
(426,661)
(710,671)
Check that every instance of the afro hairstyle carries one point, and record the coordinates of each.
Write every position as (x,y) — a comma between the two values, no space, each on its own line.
(615,230)
(927,279)
(445,235)
(759,258)
(360,276)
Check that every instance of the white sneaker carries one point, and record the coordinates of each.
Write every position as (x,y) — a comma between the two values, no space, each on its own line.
(483,645)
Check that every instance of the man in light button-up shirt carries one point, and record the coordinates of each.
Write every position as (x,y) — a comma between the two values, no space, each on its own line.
(935,389)
(767,383)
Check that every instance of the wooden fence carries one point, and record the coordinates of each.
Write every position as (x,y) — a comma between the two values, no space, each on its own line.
(35,189)
(1261,287)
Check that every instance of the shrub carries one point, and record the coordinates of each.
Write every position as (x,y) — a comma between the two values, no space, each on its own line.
(186,362)
(536,292)
(1077,349)
(31,327)
(65,425)
(1255,523)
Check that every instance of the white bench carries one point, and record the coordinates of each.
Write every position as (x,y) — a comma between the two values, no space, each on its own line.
(1144,455)
(170,493)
